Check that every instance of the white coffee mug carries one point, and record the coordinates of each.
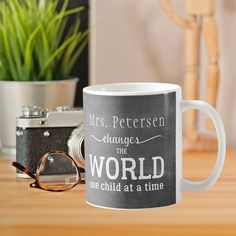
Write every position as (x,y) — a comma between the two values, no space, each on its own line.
(133,149)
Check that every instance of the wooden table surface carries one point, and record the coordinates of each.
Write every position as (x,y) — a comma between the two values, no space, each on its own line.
(27,211)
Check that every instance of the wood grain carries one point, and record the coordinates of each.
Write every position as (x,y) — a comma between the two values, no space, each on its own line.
(25,211)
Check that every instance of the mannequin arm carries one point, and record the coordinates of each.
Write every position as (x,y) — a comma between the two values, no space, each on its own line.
(170,12)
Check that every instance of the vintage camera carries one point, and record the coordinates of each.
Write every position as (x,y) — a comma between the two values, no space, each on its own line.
(39,131)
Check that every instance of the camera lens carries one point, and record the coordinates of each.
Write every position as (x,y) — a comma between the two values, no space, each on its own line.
(76,145)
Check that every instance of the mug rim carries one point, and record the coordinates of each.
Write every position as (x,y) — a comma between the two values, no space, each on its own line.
(122,89)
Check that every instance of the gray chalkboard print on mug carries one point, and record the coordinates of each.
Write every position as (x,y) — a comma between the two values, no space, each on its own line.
(130,150)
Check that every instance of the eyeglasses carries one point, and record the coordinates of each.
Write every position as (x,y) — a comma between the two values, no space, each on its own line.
(56,171)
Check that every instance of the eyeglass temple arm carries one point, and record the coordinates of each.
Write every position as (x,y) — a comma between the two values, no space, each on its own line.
(24,169)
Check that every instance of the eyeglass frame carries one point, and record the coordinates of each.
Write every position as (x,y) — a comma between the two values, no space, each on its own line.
(37,183)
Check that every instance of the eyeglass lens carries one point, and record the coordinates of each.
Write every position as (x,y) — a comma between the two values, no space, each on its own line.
(57,172)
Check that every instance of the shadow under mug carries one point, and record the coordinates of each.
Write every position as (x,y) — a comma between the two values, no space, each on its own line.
(133,150)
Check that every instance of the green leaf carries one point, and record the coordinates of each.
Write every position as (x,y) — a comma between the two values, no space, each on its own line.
(8,54)
(76,55)
(14,47)
(29,52)
(73,52)
(57,53)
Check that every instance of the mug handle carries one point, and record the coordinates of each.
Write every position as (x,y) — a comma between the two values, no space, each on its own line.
(187,185)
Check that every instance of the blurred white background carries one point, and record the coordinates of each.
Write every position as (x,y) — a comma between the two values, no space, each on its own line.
(133,40)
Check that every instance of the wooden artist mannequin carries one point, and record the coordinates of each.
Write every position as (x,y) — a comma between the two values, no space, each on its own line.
(200,19)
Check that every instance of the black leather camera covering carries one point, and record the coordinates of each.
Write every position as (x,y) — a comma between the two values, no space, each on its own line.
(32,145)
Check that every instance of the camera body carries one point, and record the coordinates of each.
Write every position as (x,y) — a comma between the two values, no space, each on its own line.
(39,131)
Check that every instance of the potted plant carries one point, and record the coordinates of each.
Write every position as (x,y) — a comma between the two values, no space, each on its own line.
(37,52)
